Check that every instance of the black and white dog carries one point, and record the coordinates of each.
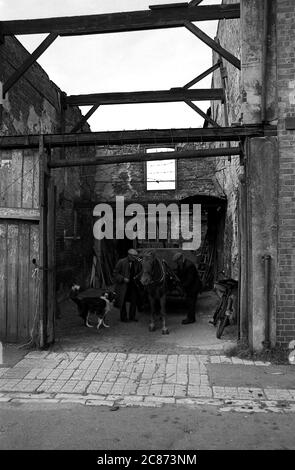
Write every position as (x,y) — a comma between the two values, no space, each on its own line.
(100,306)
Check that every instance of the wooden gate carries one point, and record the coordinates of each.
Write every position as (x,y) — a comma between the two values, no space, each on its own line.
(27,233)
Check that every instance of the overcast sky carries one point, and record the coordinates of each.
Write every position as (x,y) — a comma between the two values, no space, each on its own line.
(135,61)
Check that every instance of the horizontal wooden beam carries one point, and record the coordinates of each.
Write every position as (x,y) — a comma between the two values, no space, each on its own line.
(150,136)
(29,62)
(213,44)
(120,22)
(161,96)
(169,5)
(146,157)
(19,213)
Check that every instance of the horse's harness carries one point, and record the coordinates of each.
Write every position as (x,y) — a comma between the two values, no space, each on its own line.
(152,282)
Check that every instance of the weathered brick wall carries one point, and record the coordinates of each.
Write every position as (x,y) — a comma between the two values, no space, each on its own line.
(194,177)
(280,104)
(129,179)
(286,105)
(32,106)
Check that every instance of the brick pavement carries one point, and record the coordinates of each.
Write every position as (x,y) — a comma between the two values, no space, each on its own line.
(121,379)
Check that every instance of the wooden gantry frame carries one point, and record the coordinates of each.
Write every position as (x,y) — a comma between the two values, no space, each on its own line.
(164,16)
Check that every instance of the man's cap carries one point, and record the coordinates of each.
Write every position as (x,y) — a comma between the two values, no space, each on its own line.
(177,255)
(132,252)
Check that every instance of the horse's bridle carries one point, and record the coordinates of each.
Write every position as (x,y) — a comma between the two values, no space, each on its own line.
(158,281)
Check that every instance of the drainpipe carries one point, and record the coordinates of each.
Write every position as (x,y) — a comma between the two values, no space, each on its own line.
(264,61)
(267,261)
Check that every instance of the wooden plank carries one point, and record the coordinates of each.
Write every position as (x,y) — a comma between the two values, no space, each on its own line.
(51,293)
(168,5)
(194,3)
(3,279)
(144,157)
(19,213)
(85,118)
(18,73)
(36,202)
(28,179)
(201,113)
(23,281)
(12,186)
(150,136)
(120,22)
(202,75)
(12,282)
(34,282)
(43,243)
(5,162)
(213,44)
(161,96)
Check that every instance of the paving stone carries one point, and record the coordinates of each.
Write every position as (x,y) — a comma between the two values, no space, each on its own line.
(37,400)
(79,401)
(56,386)
(3,370)
(278,394)
(37,354)
(99,402)
(152,399)
(31,396)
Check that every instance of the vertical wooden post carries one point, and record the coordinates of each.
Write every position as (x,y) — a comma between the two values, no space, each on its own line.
(43,183)
(51,293)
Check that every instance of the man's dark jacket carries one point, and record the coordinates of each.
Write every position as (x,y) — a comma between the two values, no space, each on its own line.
(189,277)
(122,269)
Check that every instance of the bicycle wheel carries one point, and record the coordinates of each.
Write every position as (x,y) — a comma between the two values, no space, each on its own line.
(221,324)
(219,312)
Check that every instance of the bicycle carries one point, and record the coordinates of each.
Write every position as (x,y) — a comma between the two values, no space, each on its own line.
(225,313)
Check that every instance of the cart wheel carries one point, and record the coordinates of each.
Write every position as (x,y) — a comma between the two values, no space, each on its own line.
(221,324)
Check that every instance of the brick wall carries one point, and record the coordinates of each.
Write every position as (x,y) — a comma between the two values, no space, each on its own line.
(129,180)
(244,105)
(32,106)
(286,105)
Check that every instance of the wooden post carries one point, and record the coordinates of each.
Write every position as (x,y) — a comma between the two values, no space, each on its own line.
(51,273)
(43,182)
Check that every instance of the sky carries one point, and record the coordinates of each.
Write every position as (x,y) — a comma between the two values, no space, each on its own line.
(132,61)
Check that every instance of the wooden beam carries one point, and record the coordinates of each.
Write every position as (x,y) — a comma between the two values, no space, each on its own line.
(120,22)
(29,62)
(150,136)
(202,75)
(213,44)
(19,213)
(168,5)
(146,157)
(162,96)
(201,113)
(194,3)
(84,119)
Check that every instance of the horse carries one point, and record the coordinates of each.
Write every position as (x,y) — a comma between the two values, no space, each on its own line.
(153,278)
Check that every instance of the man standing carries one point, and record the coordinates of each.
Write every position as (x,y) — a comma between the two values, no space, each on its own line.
(124,273)
(191,284)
